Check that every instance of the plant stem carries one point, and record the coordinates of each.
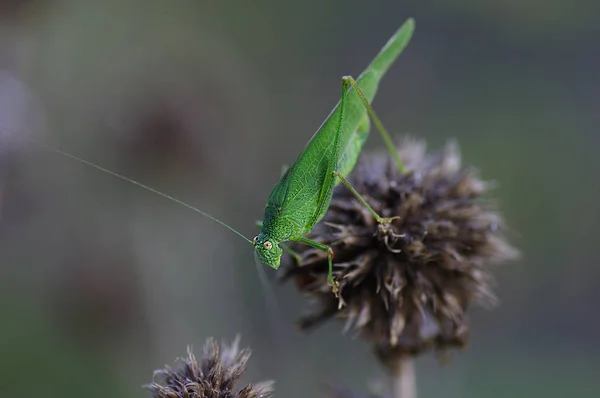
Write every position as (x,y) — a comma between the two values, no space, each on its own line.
(404,382)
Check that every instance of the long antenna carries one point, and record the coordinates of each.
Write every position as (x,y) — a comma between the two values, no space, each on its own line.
(139,184)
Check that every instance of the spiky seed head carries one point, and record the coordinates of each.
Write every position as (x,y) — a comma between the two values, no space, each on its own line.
(215,376)
(405,286)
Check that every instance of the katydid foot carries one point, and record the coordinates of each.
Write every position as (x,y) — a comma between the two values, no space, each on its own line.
(335,285)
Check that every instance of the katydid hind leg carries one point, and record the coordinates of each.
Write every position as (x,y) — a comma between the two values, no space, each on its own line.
(377,122)
(347,184)
(320,246)
(346,82)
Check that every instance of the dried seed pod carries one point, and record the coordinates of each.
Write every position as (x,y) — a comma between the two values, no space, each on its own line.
(405,286)
(214,377)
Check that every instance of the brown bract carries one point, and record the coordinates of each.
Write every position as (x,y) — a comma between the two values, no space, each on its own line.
(405,286)
(214,377)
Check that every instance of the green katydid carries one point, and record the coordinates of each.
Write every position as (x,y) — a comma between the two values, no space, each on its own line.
(302,195)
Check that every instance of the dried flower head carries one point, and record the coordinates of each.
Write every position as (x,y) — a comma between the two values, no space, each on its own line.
(214,377)
(405,286)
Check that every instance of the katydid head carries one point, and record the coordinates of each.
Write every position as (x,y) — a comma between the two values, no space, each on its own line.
(269,252)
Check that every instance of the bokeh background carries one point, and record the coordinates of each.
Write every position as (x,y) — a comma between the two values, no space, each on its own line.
(102,282)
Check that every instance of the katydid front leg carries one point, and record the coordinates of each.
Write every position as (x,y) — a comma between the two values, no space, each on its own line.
(349,81)
(334,284)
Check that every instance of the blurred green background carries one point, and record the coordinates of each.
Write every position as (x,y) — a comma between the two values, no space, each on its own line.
(101,282)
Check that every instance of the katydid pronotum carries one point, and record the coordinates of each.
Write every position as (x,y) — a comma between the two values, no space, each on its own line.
(302,195)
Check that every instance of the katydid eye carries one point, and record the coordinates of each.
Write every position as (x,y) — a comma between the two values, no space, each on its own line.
(255,240)
(268,245)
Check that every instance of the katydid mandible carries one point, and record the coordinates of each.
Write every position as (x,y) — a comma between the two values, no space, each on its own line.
(302,196)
